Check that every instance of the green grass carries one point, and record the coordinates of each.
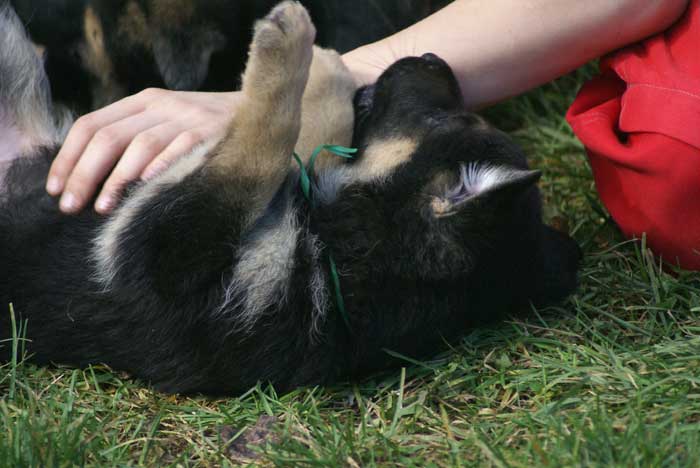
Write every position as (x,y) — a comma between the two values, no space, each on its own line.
(610,378)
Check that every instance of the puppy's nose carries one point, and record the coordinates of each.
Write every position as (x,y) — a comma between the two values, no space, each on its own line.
(430,57)
(433,62)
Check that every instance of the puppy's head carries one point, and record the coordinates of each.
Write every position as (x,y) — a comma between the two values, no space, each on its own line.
(438,194)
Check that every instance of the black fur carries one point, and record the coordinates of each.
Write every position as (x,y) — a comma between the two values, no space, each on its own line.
(410,280)
(178,56)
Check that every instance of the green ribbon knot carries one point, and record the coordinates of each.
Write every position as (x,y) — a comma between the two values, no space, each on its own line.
(305,172)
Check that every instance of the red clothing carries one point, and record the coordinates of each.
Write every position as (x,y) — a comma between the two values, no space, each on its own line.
(640,122)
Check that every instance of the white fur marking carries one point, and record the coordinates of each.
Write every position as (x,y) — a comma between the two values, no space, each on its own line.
(26,116)
(330,182)
(480,178)
(317,289)
(261,276)
(12,144)
(24,88)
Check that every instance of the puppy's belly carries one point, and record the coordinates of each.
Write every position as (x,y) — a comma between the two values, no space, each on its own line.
(12,145)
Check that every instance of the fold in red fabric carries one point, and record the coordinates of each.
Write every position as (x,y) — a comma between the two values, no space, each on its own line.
(640,123)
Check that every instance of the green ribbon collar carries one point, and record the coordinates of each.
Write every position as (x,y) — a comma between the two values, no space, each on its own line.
(305,184)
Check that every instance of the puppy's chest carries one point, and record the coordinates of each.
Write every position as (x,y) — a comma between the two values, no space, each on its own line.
(12,144)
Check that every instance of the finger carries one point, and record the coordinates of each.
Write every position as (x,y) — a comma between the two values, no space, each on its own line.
(84,130)
(183,144)
(100,156)
(143,149)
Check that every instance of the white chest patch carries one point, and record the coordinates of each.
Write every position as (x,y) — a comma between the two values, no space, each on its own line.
(11,145)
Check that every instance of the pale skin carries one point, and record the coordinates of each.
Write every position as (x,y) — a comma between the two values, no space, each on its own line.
(497,49)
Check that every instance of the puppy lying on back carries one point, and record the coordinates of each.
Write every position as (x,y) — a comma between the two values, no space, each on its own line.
(220,273)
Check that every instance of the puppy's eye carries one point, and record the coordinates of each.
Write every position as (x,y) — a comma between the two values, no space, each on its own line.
(365,98)
(435,120)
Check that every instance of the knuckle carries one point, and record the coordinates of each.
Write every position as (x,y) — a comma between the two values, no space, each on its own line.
(105,138)
(85,124)
(151,93)
(80,185)
(115,182)
(60,166)
(146,143)
(200,115)
(190,138)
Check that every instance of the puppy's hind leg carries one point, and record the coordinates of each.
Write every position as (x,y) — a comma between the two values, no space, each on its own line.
(259,144)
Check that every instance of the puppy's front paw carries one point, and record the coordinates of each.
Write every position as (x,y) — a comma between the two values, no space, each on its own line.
(286,31)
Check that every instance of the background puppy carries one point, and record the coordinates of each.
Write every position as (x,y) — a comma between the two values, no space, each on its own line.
(99,51)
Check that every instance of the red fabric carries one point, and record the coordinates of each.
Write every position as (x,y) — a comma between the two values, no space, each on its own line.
(640,123)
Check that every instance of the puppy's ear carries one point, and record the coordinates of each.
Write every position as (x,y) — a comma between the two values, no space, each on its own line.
(183,56)
(482,183)
(558,263)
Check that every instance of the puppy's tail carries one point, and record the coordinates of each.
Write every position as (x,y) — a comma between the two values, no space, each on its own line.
(25,96)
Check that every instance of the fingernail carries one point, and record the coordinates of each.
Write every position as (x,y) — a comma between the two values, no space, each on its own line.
(104,204)
(53,185)
(69,202)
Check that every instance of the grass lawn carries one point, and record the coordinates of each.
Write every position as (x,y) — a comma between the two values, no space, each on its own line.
(610,378)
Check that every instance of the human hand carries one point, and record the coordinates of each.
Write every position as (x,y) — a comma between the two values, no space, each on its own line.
(137,137)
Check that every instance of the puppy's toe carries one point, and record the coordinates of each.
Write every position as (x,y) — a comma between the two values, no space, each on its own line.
(287,29)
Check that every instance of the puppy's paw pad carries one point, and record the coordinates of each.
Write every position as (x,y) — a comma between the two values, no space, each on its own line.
(286,27)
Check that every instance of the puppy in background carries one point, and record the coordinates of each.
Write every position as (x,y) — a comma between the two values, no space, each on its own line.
(99,51)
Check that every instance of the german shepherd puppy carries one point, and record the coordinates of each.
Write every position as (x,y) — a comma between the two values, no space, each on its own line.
(220,273)
(98,51)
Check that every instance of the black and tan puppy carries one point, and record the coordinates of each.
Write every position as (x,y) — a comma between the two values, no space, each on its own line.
(219,273)
(98,51)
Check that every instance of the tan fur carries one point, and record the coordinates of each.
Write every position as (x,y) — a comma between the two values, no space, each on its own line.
(95,55)
(261,139)
(441,207)
(97,60)
(382,157)
(327,115)
(377,163)
(173,13)
(133,26)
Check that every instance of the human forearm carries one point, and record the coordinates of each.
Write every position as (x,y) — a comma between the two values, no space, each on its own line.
(499,48)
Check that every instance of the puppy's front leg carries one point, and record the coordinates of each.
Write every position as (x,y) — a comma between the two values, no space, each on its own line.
(256,153)
(213,207)
(327,109)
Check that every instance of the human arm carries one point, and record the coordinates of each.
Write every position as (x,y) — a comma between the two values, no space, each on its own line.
(500,48)
(497,48)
